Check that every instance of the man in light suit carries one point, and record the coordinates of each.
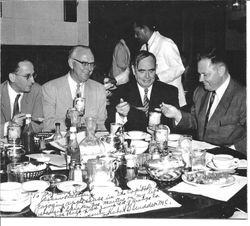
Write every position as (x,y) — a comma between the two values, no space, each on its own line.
(169,64)
(58,94)
(127,102)
(219,111)
(21,83)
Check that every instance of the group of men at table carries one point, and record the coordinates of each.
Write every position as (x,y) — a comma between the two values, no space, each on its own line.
(218,114)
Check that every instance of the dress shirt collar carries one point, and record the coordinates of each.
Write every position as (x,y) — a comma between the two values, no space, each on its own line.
(73,86)
(142,92)
(12,95)
(221,90)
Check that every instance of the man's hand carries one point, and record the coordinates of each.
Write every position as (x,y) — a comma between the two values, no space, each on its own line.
(123,108)
(19,118)
(170,111)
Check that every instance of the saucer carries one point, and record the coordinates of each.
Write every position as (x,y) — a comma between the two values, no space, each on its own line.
(141,183)
(70,186)
(35,185)
(15,205)
(232,167)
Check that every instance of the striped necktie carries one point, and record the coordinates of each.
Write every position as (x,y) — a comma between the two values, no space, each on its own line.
(16,105)
(208,111)
(146,101)
(146,46)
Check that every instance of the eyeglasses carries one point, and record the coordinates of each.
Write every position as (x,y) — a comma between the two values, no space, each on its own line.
(28,76)
(84,63)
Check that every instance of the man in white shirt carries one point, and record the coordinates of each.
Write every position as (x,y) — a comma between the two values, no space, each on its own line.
(58,94)
(219,111)
(169,63)
(20,95)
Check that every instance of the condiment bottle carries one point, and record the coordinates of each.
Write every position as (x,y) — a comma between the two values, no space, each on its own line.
(57,134)
(71,170)
(28,135)
(73,148)
(78,173)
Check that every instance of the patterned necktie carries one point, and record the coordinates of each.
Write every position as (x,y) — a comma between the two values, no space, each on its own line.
(146,46)
(208,111)
(146,101)
(16,106)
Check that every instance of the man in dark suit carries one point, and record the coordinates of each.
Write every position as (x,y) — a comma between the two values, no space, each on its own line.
(128,104)
(22,89)
(219,111)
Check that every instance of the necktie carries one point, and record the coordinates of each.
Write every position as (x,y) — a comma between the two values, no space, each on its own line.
(208,111)
(146,101)
(146,46)
(78,90)
(16,106)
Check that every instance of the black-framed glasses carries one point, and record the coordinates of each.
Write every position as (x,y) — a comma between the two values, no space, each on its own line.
(28,76)
(85,64)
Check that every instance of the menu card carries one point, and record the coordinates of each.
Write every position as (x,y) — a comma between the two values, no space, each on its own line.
(47,204)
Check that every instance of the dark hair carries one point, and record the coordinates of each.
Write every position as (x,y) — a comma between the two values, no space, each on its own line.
(13,64)
(145,20)
(141,55)
(215,55)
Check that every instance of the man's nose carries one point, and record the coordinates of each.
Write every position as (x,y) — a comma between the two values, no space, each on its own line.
(201,79)
(147,74)
(32,79)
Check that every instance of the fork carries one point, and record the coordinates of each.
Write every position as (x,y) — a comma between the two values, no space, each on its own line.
(138,108)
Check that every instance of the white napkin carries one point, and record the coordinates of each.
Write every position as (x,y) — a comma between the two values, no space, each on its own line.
(214,192)
(57,160)
(195,144)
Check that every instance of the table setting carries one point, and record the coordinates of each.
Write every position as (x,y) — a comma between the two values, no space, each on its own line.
(138,177)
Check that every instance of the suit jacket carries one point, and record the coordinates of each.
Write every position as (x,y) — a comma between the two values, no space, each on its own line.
(57,99)
(31,103)
(137,119)
(169,64)
(227,125)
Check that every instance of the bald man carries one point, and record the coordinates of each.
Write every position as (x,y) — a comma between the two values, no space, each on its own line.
(58,94)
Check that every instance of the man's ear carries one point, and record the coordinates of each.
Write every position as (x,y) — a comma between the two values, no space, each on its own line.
(12,77)
(70,62)
(221,69)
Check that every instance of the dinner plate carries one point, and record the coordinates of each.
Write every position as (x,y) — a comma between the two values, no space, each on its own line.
(138,135)
(229,181)
(70,186)
(141,183)
(232,167)
(35,185)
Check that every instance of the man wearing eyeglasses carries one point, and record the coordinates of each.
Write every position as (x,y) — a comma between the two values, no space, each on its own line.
(58,94)
(20,95)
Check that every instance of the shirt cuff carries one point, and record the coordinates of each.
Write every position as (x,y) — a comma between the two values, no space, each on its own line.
(6,124)
(120,119)
(232,147)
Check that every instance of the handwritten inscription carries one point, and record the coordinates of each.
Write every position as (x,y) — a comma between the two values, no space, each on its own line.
(87,204)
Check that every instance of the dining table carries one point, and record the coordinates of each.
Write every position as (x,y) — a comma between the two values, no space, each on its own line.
(192,206)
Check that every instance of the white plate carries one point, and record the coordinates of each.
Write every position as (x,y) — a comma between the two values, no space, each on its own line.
(174,137)
(137,135)
(35,185)
(140,183)
(232,167)
(229,181)
(69,186)
(15,206)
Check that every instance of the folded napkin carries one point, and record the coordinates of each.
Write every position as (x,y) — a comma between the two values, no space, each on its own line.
(195,144)
(214,192)
(57,160)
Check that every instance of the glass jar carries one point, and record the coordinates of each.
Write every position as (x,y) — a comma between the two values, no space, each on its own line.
(91,146)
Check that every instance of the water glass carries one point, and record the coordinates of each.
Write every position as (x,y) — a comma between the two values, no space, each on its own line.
(161,138)
(198,159)
(154,119)
(185,147)
(141,160)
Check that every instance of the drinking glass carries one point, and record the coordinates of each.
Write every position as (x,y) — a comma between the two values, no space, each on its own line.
(73,118)
(161,138)
(185,147)
(141,160)
(154,119)
(198,159)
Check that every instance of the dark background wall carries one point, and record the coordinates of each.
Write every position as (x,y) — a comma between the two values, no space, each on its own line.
(191,24)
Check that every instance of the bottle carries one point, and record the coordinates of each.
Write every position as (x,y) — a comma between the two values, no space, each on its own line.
(79,100)
(28,135)
(73,147)
(78,173)
(71,169)
(57,134)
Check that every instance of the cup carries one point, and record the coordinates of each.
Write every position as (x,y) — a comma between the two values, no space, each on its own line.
(222,161)
(185,147)
(15,172)
(141,160)
(161,137)
(10,191)
(14,153)
(198,159)
(73,118)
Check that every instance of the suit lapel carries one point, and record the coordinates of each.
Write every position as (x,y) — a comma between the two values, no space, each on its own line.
(5,102)
(134,95)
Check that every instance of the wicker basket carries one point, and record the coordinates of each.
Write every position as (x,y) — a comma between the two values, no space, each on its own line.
(22,173)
